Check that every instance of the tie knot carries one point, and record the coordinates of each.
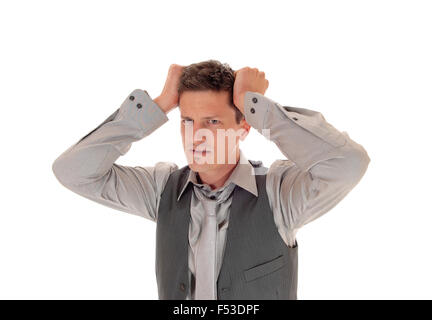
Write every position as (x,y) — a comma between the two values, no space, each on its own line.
(219,196)
(211,199)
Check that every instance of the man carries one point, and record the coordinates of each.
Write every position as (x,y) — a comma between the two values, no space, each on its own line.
(225,225)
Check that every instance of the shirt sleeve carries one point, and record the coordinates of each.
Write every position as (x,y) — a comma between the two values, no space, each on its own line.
(88,167)
(322,164)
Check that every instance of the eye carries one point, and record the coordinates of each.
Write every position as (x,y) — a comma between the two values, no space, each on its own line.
(213,121)
(187,121)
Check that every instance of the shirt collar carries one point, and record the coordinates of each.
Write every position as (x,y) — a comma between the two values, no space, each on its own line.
(243,176)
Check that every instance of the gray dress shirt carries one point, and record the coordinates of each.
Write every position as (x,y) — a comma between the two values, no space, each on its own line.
(322,166)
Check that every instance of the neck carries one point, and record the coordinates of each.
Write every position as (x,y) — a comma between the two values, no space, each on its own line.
(216,178)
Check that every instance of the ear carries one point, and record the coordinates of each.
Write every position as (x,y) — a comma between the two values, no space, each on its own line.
(245,127)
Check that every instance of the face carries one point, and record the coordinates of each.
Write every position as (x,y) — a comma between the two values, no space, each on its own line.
(210,133)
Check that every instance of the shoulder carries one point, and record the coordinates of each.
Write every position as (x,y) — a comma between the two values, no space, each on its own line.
(166,166)
(278,171)
(280,165)
(161,172)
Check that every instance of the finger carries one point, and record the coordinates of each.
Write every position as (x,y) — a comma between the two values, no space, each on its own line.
(241,69)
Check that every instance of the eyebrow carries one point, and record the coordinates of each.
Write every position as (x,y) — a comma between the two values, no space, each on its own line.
(208,117)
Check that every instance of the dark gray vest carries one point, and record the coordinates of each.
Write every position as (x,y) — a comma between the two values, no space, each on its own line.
(257,264)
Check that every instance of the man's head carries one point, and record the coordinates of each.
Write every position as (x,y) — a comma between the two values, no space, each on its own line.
(209,119)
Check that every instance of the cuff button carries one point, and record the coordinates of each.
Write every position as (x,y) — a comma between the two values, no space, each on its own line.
(131,98)
(252,110)
(139,105)
(255,100)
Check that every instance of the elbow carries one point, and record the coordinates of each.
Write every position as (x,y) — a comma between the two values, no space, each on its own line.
(62,171)
(357,164)
(363,160)
(73,172)
(58,170)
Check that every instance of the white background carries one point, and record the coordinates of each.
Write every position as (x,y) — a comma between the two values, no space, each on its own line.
(67,65)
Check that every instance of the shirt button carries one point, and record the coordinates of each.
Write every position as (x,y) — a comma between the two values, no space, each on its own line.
(294,118)
(252,110)
(131,98)
(182,286)
(255,100)
(212,197)
(139,105)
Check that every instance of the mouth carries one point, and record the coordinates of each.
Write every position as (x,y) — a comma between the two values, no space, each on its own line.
(199,153)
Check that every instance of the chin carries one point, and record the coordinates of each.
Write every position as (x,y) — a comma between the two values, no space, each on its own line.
(201,167)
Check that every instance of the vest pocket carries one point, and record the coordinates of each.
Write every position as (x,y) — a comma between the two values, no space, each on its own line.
(264,269)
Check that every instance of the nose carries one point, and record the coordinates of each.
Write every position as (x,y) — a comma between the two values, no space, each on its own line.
(199,137)
(197,126)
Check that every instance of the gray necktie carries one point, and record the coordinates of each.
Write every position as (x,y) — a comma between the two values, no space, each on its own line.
(205,257)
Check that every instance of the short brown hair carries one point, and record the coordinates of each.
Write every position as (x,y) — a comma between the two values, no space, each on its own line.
(209,75)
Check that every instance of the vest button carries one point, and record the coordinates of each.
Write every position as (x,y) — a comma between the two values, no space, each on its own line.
(182,286)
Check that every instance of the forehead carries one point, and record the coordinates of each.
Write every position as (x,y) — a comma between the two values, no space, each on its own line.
(201,103)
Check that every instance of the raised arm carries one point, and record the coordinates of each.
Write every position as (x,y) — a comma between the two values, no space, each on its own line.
(322,164)
(88,167)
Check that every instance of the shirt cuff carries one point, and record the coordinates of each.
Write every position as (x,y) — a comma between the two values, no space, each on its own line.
(255,109)
(140,110)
